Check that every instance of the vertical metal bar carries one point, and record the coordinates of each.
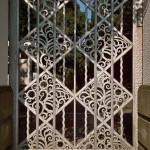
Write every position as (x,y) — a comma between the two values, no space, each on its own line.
(64,71)
(85,122)
(86,20)
(28,118)
(121,123)
(54,76)
(37,80)
(28,114)
(64,24)
(14,64)
(64,68)
(112,72)
(95,78)
(63,123)
(75,72)
(121,72)
(29,59)
(86,71)
(121,25)
(28,9)
(121,31)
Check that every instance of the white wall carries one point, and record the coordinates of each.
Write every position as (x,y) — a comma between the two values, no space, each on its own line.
(3,41)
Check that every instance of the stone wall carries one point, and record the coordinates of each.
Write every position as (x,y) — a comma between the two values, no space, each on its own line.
(3,41)
(144,117)
(6,101)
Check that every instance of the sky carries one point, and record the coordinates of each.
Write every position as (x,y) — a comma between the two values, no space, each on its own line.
(82,8)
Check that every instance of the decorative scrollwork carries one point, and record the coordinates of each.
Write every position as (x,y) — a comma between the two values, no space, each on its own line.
(60,144)
(46,44)
(104,96)
(45,139)
(45,96)
(46,7)
(104,6)
(121,44)
(42,43)
(138,4)
(88,144)
(104,140)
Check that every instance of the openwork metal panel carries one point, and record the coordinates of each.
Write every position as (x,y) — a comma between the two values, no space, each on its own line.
(75,89)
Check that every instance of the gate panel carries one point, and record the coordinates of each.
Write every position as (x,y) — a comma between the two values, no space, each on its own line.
(75,89)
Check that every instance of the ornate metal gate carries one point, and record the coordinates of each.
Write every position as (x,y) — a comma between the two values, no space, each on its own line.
(75,87)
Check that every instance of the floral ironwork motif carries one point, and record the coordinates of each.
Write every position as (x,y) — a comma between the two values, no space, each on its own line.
(104,96)
(45,140)
(45,97)
(56,100)
(29,44)
(121,45)
(104,140)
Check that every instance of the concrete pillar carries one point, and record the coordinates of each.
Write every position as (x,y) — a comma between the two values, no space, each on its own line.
(144,117)
(3,42)
(137,65)
(146,43)
(137,69)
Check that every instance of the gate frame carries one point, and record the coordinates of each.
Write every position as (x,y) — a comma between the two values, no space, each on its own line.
(14,62)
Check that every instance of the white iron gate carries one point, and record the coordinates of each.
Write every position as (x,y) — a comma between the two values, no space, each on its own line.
(75,74)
